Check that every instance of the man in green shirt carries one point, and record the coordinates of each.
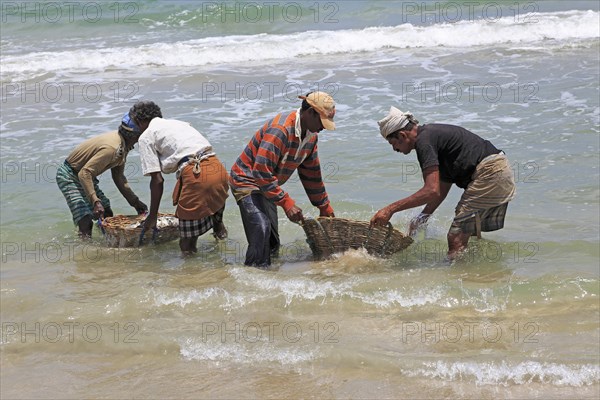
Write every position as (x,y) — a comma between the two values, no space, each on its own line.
(77,176)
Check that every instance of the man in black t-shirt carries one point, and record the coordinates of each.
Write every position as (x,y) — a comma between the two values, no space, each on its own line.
(449,155)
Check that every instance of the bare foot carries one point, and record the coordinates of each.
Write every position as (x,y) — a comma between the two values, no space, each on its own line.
(85,236)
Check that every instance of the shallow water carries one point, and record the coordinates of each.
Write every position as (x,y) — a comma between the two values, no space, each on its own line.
(516,317)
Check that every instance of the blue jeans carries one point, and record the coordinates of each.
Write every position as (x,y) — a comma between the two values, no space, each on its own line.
(259,216)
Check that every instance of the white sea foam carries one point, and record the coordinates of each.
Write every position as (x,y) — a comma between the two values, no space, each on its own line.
(570,100)
(395,297)
(302,289)
(294,288)
(244,353)
(557,26)
(204,298)
(491,373)
(193,297)
(307,288)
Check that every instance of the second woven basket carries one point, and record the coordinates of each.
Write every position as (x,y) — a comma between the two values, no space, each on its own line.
(327,236)
(126,230)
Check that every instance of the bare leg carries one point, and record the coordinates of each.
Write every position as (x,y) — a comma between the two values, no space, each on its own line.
(188,245)
(220,231)
(457,242)
(85,227)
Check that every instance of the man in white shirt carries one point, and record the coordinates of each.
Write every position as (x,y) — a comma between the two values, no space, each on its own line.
(168,146)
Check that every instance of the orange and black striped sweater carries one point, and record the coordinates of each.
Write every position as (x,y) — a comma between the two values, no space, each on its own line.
(272,156)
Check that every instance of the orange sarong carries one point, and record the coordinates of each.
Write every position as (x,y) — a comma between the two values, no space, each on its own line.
(198,195)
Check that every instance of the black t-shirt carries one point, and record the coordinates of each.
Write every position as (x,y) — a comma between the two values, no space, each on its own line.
(455,151)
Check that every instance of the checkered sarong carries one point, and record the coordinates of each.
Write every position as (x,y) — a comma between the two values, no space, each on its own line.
(71,188)
(195,228)
(488,220)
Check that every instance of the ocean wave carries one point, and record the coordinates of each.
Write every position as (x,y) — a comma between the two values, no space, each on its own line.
(558,26)
(296,290)
(309,289)
(300,288)
(375,291)
(490,373)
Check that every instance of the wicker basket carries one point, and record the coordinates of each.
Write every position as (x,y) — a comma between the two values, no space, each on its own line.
(327,236)
(126,230)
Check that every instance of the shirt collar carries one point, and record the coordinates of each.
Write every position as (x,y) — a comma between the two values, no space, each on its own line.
(298,126)
(123,150)
(298,130)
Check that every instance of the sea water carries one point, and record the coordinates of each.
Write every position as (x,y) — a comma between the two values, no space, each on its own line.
(516,317)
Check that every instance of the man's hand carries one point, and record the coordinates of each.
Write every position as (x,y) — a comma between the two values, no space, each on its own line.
(150,222)
(381,218)
(98,210)
(417,222)
(140,207)
(327,213)
(294,214)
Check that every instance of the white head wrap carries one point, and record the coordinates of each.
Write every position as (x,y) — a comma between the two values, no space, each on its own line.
(394,121)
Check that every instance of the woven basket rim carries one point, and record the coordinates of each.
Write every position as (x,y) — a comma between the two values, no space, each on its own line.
(117,221)
(118,231)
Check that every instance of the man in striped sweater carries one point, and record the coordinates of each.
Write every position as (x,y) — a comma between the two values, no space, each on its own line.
(284,144)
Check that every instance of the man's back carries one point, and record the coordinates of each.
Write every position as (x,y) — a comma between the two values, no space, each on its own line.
(455,150)
(168,141)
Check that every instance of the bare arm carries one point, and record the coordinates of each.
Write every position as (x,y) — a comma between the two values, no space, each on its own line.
(429,193)
(429,208)
(435,203)
(118,175)
(156,192)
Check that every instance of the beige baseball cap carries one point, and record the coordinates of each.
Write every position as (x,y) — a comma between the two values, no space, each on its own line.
(322,103)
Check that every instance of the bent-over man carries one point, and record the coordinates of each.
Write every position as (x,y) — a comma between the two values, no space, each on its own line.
(450,155)
(172,146)
(77,177)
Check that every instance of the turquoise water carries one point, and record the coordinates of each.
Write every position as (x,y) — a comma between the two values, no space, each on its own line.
(518,317)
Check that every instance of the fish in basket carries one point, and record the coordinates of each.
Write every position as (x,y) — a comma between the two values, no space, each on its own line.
(126,230)
(327,236)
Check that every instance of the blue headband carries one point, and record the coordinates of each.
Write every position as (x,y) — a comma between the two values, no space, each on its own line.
(128,123)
